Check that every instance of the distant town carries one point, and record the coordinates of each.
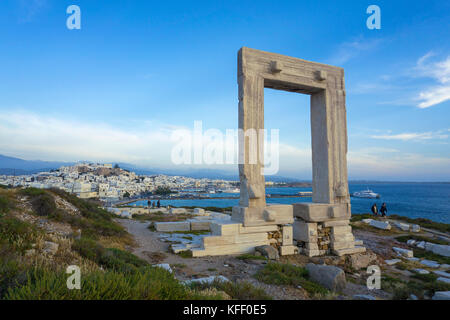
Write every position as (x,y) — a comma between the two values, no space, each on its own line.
(109,183)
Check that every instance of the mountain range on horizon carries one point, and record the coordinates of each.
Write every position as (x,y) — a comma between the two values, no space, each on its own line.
(11,165)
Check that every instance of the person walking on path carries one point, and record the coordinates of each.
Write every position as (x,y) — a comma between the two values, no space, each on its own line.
(383,210)
(374,209)
(158,204)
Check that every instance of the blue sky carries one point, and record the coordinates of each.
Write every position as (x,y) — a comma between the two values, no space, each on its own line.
(114,90)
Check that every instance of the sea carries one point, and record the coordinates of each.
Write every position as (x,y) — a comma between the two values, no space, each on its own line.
(414,200)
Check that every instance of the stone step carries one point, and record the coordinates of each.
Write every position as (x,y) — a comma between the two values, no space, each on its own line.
(228,249)
(211,241)
(225,228)
(356,249)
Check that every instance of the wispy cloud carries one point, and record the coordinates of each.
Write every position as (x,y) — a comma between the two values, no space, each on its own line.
(351,49)
(412,136)
(29,9)
(440,72)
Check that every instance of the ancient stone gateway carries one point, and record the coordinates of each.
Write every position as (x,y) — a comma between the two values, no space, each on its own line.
(319,227)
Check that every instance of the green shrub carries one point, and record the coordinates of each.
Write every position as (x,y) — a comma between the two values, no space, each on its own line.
(19,235)
(287,274)
(146,284)
(109,258)
(4,204)
(242,290)
(247,256)
(43,205)
(32,192)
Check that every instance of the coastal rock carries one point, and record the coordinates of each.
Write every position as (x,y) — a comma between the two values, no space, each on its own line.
(384,225)
(331,277)
(269,252)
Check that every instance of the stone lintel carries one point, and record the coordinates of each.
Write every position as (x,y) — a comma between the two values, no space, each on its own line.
(321,212)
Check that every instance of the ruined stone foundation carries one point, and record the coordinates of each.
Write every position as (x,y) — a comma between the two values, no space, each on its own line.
(239,235)
(321,229)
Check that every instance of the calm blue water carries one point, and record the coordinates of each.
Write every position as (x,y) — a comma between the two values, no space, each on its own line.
(414,200)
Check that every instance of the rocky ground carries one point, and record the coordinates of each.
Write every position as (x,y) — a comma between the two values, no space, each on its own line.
(151,247)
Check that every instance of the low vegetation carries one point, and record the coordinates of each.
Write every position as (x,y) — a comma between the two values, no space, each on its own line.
(107,273)
(241,290)
(404,239)
(425,223)
(288,274)
(248,256)
(420,286)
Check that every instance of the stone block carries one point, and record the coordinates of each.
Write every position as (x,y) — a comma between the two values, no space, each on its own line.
(336,223)
(200,225)
(441,295)
(421,271)
(320,212)
(258,229)
(305,231)
(331,277)
(443,279)
(430,263)
(342,252)
(341,230)
(342,245)
(173,226)
(274,214)
(440,249)
(269,252)
(404,252)
(442,273)
(228,249)
(384,225)
(392,262)
(177,210)
(224,228)
(361,260)
(288,250)
(199,211)
(402,226)
(415,228)
(211,241)
(288,235)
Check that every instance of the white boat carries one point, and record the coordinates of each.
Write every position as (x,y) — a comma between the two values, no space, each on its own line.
(369,194)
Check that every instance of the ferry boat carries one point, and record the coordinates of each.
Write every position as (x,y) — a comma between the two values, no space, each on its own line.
(369,194)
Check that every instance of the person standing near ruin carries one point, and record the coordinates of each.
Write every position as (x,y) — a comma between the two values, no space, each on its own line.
(158,204)
(374,209)
(383,210)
